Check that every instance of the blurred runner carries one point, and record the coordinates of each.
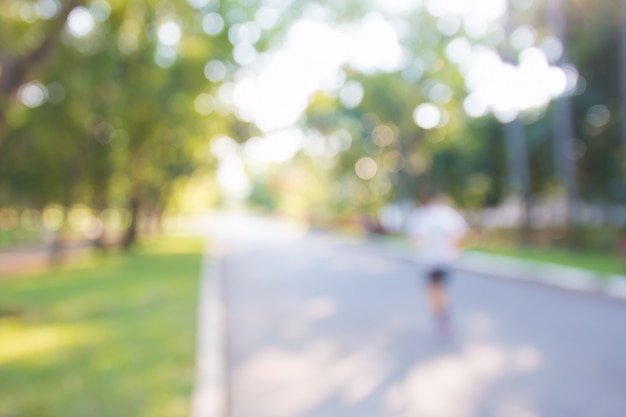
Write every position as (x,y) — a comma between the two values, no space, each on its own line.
(436,231)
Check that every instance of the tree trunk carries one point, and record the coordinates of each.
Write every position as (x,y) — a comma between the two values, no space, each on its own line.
(563,132)
(100,186)
(519,174)
(130,237)
(58,244)
(622,75)
(16,70)
(518,165)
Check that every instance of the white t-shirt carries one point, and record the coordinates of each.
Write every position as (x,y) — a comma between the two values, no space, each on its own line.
(435,231)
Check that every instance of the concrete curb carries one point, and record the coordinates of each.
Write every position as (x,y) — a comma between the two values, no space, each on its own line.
(615,286)
(209,397)
(576,279)
(560,276)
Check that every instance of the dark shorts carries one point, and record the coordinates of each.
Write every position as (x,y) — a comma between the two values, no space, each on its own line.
(437,276)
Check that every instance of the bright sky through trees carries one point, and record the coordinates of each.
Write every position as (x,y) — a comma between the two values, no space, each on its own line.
(274,88)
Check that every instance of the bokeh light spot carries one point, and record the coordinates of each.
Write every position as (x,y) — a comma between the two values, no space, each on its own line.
(32,94)
(267,17)
(553,48)
(100,10)
(213,24)
(439,93)
(366,168)
(223,146)
(202,4)
(215,71)
(80,22)
(459,50)
(169,33)
(449,24)
(244,53)
(474,107)
(204,104)
(427,116)
(340,140)
(314,144)
(248,32)
(28,12)
(383,135)
(598,115)
(351,94)
(523,37)
(48,9)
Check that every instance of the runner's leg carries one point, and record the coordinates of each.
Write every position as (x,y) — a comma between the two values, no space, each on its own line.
(438,298)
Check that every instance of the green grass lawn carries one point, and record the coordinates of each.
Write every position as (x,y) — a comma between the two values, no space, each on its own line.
(18,237)
(115,337)
(603,263)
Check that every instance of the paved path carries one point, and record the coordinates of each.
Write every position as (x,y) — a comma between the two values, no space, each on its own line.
(36,258)
(319,326)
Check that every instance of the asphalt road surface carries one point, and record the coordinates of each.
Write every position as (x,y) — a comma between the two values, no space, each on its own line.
(320,326)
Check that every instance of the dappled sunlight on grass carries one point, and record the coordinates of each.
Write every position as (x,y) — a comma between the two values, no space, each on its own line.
(116,338)
(21,341)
